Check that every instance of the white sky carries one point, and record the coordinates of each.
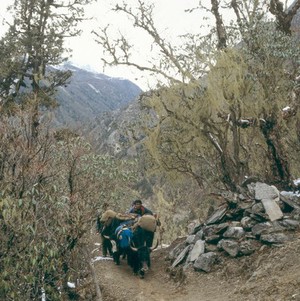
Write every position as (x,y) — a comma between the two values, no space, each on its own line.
(170,19)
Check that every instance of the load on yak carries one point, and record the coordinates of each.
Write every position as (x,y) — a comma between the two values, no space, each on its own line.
(132,237)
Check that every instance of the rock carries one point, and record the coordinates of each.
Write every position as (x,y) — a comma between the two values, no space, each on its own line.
(181,256)
(296,214)
(221,228)
(272,209)
(268,196)
(199,235)
(274,238)
(211,248)
(176,251)
(247,247)
(246,204)
(197,229)
(213,239)
(190,239)
(197,250)
(191,226)
(258,229)
(291,199)
(229,246)
(217,215)
(265,191)
(290,224)
(209,230)
(241,227)
(258,208)
(205,262)
(247,223)
(234,232)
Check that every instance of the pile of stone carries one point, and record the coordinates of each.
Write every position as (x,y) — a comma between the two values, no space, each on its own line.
(240,226)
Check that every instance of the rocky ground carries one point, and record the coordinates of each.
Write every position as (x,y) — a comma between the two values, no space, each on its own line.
(271,273)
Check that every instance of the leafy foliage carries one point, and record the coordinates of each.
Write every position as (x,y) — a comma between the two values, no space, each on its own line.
(232,122)
(230,108)
(51,194)
(53,185)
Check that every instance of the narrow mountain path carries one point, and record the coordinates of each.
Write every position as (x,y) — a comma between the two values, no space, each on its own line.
(271,273)
(118,283)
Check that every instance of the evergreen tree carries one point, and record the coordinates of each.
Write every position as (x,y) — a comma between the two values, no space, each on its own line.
(35,41)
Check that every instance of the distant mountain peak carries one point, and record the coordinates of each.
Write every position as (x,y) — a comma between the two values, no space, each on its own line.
(90,94)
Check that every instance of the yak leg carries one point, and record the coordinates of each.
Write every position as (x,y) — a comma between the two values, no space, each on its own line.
(106,247)
(134,263)
(116,253)
(142,273)
(116,257)
(130,258)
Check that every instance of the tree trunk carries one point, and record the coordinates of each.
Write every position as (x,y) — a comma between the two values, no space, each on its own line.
(279,163)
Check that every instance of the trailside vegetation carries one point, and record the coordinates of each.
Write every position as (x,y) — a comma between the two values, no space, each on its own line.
(51,194)
(53,184)
(230,105)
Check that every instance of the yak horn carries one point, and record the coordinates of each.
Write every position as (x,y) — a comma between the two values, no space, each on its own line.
(154,247)
(133,248)
(107,237)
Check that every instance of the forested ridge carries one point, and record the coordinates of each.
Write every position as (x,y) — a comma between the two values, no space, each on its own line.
(226,109)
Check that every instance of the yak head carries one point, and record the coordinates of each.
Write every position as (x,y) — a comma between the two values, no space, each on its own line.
(143,257)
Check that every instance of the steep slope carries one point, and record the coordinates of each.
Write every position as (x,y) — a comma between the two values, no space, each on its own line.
(120,131)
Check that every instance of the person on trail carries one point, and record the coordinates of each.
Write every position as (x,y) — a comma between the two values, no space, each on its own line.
(139,209)
(147,220)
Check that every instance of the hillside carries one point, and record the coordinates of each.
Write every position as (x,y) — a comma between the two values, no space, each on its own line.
(264,267)
(89,94)
(120,131)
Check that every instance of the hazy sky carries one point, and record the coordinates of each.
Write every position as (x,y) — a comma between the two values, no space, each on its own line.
(170,19)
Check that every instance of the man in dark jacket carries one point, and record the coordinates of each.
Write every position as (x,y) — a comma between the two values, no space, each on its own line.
(138,208)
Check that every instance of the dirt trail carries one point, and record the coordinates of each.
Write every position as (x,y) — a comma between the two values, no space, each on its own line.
(271,274)
(118,283)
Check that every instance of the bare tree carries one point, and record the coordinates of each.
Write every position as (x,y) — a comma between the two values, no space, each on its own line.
(250,62)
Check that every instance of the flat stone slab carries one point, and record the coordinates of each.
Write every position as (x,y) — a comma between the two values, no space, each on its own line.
(272,209)
(265,191)
(197,250)
(217,215)
(268,196)
(181,256)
